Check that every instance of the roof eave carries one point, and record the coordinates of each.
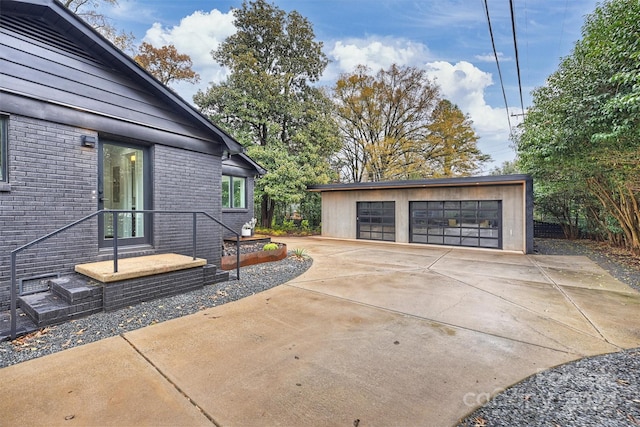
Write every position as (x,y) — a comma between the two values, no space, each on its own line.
(428,183)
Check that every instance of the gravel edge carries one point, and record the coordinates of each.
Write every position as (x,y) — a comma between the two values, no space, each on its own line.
(253,279)
(595,391)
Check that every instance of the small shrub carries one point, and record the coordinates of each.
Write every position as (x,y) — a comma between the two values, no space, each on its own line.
(270,247)
(300,253)
(262,230)
(288,225)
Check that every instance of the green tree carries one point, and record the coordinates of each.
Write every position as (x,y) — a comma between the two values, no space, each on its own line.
(581,136)
(89,10)
(166,64)
(270,104)
(506,168)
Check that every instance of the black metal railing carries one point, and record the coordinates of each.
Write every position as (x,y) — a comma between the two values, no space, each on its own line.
(115,213)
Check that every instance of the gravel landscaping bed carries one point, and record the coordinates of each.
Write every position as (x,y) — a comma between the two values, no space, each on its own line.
(253,279)
(597,391)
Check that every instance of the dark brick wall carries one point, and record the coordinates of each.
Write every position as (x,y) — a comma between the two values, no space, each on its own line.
(186,180)
(52,181)
(129,292)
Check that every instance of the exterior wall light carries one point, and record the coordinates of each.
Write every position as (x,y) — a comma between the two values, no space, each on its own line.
(89,141)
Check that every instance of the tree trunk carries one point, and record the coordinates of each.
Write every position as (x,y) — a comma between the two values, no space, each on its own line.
(267,209)
(621,204)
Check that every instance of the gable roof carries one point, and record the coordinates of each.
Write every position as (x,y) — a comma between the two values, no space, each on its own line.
(54,32)
(242,163)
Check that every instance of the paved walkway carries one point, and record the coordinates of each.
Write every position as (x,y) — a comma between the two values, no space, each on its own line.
(386,334)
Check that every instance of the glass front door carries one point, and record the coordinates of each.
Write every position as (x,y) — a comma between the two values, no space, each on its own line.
(122,187)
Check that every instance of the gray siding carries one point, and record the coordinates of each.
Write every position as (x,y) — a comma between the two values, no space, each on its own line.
(34,65)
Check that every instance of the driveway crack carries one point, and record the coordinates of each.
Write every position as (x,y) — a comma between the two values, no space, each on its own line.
(176,386)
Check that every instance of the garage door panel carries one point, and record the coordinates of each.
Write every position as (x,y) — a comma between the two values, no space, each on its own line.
(376,221)
(475,223)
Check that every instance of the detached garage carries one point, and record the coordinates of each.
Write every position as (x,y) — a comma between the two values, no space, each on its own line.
(493,212)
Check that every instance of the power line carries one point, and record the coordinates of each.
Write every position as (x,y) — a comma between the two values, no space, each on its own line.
(527,65)
(495,54)
(564,18)
(515,46)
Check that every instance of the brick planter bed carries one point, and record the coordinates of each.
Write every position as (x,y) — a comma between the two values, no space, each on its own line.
(257,257)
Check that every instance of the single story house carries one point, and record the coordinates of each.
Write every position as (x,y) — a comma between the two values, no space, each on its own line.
(494,212)
(84,128)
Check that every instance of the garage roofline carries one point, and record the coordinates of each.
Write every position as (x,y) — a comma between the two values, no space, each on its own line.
(427,183)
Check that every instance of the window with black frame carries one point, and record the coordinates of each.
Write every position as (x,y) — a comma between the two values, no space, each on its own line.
(234,192)
(474,223)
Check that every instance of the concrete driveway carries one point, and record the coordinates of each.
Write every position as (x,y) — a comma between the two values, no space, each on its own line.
(373,334)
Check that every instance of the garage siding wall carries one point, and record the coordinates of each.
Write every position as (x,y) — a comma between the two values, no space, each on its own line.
(339,209)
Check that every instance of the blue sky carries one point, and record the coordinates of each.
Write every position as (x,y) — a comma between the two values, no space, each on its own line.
(448,38)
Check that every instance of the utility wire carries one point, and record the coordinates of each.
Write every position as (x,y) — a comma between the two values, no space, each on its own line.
(495,54)
(564,19)
(515,46)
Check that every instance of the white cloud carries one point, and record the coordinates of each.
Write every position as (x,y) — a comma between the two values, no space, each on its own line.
(375,52)
(196,35)
(489,57)
(464,84)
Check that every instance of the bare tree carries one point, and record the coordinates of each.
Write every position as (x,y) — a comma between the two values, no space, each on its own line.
(89,10)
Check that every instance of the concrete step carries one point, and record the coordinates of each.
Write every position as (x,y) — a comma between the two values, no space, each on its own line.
(69,297)
(75,289)
(48,308)
(45,308)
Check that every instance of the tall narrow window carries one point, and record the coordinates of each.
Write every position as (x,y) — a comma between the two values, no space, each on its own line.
(3,149)
(234,192)
(226,191)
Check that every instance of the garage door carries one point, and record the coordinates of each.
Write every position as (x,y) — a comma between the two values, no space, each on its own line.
(377,221)
(475,223)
